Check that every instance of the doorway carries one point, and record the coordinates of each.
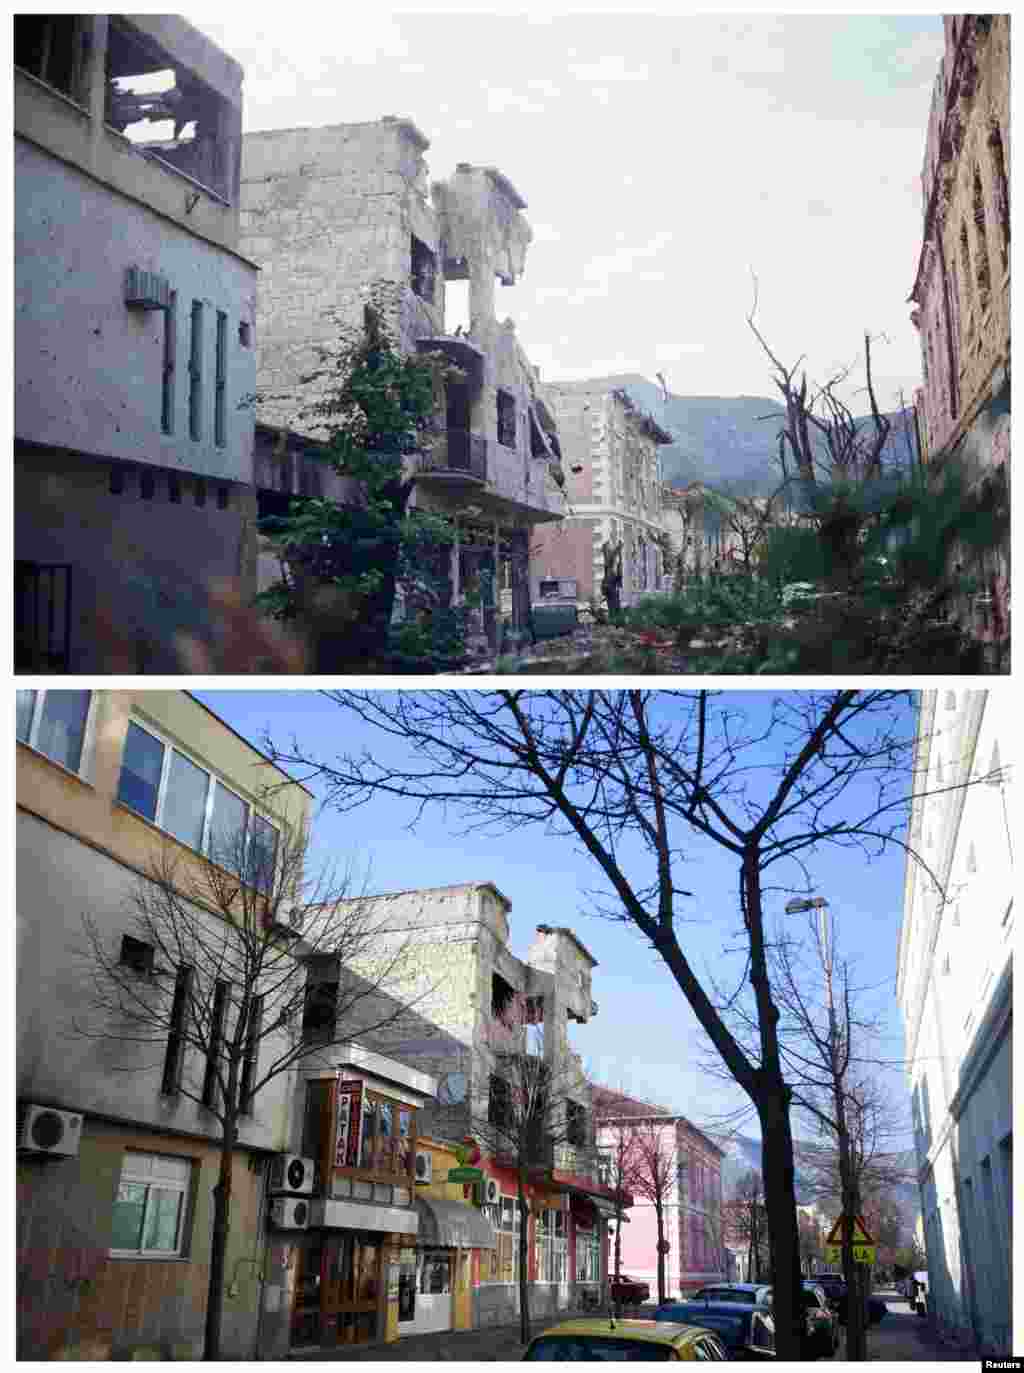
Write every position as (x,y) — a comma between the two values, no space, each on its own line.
(338,1290)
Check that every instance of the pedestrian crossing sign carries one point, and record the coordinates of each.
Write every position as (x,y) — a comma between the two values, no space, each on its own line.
(860,1234)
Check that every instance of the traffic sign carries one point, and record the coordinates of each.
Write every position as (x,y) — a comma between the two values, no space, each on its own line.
(860,1233)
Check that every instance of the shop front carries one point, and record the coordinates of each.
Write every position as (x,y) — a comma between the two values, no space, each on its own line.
(435,1276)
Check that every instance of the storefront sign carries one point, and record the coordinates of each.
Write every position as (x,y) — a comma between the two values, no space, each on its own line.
(349,1130)
(392,1282)
(465,1174)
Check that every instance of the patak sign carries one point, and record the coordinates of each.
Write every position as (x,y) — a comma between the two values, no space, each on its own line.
(349,1125)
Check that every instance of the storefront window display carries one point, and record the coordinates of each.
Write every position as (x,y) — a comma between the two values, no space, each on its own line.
(588,1255)
(503,1260)
(552,1246)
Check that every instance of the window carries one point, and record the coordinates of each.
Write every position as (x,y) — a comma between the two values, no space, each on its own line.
(320,1012)
(196,807)
(170,358)
(54,723)
(252,1048)
(54,48)
(504,1260)
(174,1056)
(387,1128)
(216,1039)
(552,1246)
(499,1102)
(195,374)
(137,955)
(588,1255)
(151,1204)
(575,1124)
(507,419)
(424,270)
(244,333)
(221,382)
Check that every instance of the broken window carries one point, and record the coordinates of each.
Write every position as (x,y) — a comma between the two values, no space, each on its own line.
(507,419)
(166,112)
(502,993)
(424,270)
(55,48)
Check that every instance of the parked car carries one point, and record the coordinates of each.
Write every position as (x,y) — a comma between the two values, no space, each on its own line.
(596,1339)
(835,1291)
(822,1329)
(628,1291)
(747,1332)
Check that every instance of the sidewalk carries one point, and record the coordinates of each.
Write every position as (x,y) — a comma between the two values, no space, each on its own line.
(491,1344)
(902,1337)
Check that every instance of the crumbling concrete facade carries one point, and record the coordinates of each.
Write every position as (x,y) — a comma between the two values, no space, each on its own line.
(134,314)
(614,494)
(458,974)
(961,292)
(341,218)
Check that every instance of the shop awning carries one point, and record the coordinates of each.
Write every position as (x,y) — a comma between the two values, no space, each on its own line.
(453,1223)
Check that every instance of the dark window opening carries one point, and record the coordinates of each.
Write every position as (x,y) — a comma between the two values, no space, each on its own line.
(200,492)
(424,270)
(174,490)
(984,277)
(170,358)
(54,47)
(244,333)
(252,1045)
(538,448)
(137,955)
(1001,193)
(223,497)
(575,1124)
(316,1120)
(166,112)
(499,1102)
(221,382)
(175,1055)
(320,1013)
(215,1043)
(535,1004)
(195,373)
(117,481)
(147,485)
(507,419)
(502,993)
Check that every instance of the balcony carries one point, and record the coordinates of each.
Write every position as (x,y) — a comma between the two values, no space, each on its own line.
(457,457)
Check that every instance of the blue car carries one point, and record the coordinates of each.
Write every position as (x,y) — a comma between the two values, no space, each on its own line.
(747,1332)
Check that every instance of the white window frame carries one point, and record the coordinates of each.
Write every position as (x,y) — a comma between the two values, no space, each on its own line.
(137,1169)
(170,747)
(38,707)
(552,1247)
(590,1240)
(500,1229)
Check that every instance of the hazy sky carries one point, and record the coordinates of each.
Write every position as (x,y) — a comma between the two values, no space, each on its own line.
(644,1036)
(663,158)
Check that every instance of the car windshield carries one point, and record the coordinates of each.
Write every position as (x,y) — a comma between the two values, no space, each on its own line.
(596,1348)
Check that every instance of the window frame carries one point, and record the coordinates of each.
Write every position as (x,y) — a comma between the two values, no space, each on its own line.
(253,812)
(35,720)
(149,1181)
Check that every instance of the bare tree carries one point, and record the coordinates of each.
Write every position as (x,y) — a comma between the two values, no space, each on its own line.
(652,1158)
(531,1111)
(616,1167)
(646,770)
(217,990)
(746,1220)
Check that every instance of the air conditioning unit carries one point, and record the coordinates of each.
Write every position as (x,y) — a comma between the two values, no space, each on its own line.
(289,1213)
(46,1131)
(424,1166)
(146,290)
(492,1192)
(290,1173)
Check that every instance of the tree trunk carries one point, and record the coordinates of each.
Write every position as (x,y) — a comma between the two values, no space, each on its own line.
(524,1292)
(219,1245)
(660,1218)
(780,1203)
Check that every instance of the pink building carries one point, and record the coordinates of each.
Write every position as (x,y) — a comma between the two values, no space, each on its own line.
(692,1196)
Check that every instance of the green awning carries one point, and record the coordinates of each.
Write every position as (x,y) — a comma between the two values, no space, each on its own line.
(454,1224)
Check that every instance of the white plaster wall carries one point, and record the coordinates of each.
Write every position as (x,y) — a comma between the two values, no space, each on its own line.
(59,878)
(88,371)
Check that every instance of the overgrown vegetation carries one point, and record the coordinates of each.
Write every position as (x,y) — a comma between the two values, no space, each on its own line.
(343,562)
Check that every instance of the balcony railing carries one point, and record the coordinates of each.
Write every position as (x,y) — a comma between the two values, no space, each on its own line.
(457,451)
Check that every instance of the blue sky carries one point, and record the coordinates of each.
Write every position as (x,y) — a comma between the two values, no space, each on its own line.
(645,1037)
(663,158)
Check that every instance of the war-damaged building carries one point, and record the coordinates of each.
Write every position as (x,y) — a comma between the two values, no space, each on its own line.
(341,218)
(615,523)
(134,314)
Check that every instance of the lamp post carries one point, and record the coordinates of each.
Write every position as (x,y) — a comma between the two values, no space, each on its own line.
(838,1054)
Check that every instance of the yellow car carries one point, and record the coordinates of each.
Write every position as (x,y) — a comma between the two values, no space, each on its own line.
(599,1338)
